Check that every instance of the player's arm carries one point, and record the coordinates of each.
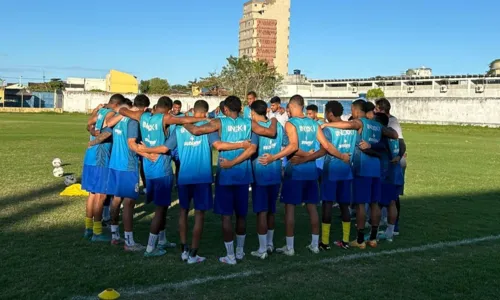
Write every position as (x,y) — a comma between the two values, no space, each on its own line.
(226,164)
(263,131)
(171,120)
(104,135)
(293,146)
(390,133)
(113,120)
(132,114)
(330,148)
(374,150)
(354,124)
(402,147)
(212,126)
(302,153)
(170,144)
(223,146)
(297,160)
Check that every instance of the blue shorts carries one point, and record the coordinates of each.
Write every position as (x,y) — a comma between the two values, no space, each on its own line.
(300,191)
(264,197)
(390,192)
(201,194)
(124,184)
(366,190)
(95,179)
(336,191)
(231,199)
(160,190)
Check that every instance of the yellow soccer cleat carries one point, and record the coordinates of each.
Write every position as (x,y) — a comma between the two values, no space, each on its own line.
(355,244)
(109,294)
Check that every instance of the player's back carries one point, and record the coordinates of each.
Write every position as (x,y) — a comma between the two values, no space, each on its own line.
(195,155)
(153,135)
(268,174)
(235,131)
(307,135)
(394,171)
(345,142)
(122,159)
(98,155)
(364,164)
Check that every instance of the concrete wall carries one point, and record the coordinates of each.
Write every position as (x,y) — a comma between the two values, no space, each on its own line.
(85,101)
(29,110)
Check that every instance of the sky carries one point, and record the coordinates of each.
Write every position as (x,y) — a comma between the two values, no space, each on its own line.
(184,40)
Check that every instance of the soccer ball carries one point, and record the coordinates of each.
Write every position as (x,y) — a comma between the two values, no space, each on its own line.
(58,172)
(56,162)
(69,180)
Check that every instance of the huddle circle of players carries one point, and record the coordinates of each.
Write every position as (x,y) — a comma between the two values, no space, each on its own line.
(281,154)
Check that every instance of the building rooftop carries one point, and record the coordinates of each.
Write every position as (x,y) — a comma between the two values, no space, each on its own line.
(407,77)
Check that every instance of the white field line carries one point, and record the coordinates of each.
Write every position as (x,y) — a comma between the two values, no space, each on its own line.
(188,283)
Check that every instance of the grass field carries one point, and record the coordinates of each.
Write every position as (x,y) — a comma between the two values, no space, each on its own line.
(452,195)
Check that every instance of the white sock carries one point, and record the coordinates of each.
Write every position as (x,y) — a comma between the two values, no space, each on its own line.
(129,238)
(229,249)
(262,243)
(240,243)
(270,237)
(289,242)
(315,239)
(115,232)
(389,232)
(151,242)
(162,238)
(105,213)
(384,214)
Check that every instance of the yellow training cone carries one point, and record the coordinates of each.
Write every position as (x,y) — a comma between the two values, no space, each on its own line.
(109,294)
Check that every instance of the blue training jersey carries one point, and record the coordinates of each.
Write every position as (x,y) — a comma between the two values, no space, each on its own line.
(153,135)
(345,142)
(195,153)
(364,164)
(247,112)
(269,174)
(394,171)
(307,130)
(320,161)
(98,155)
(235,131)
(122,158)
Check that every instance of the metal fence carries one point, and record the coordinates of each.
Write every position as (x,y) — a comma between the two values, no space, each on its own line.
(25,99)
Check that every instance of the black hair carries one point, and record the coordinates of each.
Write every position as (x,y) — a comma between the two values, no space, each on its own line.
(259,107)
(312,107)
(221,106)
(165,102)
(275,99)
(201,106)
(359,104)
(117,98)
(384,105)
(382,119)
(369,106)
(178,102)
(335,108)
(252,93)
(351,118)
(128,102)
(233,103)
(141,101)
(297,99)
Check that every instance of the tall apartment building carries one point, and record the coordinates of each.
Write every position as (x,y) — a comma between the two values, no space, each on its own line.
(265,32)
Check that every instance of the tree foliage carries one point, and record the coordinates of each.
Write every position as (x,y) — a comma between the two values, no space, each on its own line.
(52,85)
(180,89)
(154,86)
(375,93)
(492,70)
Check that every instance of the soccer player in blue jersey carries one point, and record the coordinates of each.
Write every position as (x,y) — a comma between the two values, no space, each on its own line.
(300,184)
(312,113)
(366,184)
(95,170)
(251,97)
(337,176)
(218,112)
(232,181)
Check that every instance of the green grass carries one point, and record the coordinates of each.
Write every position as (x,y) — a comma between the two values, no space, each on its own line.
(452,193)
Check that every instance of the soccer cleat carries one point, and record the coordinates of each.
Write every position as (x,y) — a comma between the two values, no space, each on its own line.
(270,249)
(372,244)
(227,260)
(324,247)
(342,244)
(117,242)
(134,248)
(166,245)
(355,244)
(313,249)
(383,237)
(88,233)
(260,255)
(106,223)
(184,256)
(100,238)
(286,251)
(156,252)
(195,260)
(240,255)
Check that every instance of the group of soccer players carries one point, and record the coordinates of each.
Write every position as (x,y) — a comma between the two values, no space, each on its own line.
(280,154)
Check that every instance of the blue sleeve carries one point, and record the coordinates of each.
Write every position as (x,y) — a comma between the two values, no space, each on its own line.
(254,139)
(211,115)
(213,137)
(171,142)
(108,129)
(328,134)
(132,129)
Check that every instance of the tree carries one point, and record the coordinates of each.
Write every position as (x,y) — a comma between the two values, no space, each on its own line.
(375,93)
(493,68)
(53,84)
(180,89)
(154,86)
(242,75)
